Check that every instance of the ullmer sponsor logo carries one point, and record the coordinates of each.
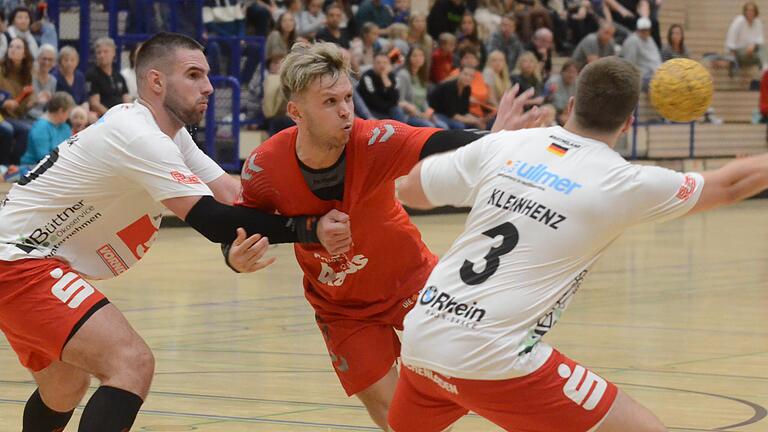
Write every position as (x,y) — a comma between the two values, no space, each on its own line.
(445,306)
(539,176)
(112,259)
(426,373)
(584,387)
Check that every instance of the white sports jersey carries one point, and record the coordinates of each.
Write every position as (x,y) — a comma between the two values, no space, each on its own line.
(545,205)
(94,201)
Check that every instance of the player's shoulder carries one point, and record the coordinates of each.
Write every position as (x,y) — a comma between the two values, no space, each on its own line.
(272,153)
(276,142)
(369,133)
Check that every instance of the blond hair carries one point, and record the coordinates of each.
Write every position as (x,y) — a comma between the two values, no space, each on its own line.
(501,82)
(306,63)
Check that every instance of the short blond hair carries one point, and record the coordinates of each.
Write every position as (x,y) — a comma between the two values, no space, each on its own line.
(307,62)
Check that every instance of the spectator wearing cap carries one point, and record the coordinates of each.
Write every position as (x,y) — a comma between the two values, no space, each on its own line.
(641,50)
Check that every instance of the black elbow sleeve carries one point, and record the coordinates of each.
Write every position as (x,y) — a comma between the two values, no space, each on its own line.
(219,222)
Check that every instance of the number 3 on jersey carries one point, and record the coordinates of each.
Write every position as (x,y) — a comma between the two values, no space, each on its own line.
(510,239)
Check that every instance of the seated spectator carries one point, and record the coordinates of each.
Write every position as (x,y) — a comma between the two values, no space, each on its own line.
(311,19)
(332,32)
(496,75)
(275,103)
(368,45)
(43,82)
(418,35)
(451,102)
(675,47)
(69,78)
(16,87)
(20,20)
(282,38)
(41,27)
(480,103)
(528,76)
(376,12)
(401,11)
(596,45)
(560,88)
(541,46)
(378,87)
(640,50)
(442,58)
(745,38)
(398,39)
(78,119)
(107,87)
(506,40)
(445,17)
(129,73)
(467,38)
(412,81)
(50,130)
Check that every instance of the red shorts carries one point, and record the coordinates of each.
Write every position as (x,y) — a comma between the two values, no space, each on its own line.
(42,303)
(363,350)
(559,396)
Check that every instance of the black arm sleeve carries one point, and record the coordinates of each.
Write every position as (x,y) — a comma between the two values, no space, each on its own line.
(447,140)
(219,222)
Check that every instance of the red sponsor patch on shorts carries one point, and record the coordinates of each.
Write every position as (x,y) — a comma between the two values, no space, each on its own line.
(687,188)
(185,178)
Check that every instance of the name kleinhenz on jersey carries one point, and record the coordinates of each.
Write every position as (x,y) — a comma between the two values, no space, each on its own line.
(526,206)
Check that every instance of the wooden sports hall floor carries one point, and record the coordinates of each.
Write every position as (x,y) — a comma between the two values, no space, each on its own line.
(676,314)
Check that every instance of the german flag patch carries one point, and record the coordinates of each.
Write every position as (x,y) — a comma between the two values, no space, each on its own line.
(557,149)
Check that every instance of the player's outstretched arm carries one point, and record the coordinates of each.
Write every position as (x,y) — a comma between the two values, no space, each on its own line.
(734,182)
(244,255)
(411,192)
(218,222)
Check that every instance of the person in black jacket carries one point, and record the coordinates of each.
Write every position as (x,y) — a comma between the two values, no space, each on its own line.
(378,88)
(451,101)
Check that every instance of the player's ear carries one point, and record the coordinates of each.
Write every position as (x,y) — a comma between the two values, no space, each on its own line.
(628,124)
(155,80)
(293,112)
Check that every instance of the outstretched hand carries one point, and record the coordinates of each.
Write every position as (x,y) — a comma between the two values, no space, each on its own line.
(246,254)
(512,115)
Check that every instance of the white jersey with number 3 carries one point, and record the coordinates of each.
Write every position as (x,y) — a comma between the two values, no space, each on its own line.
(545,205)
(95,200)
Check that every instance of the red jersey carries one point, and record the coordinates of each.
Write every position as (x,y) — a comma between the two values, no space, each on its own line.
(388,262)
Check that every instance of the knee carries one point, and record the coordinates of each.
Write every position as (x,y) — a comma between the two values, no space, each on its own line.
(133,360)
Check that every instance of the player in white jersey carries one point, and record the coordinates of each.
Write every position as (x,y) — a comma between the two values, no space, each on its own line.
(92,209)
(545,204)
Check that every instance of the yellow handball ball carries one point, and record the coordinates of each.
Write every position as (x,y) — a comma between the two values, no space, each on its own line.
(681,90)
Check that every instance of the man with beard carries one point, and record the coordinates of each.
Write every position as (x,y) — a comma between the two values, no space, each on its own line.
(91,210)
